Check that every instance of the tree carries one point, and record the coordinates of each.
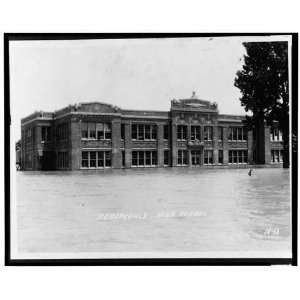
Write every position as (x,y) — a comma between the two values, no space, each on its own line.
(263,82)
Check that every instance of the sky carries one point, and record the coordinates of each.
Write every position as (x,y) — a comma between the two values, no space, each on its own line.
(129,73)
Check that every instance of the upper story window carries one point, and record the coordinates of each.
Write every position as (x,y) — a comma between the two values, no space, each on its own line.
(62,132)
(181,132)
(166,132)
(29,135)
(195,133)
(143,132)
(208,133)
(220,133)
(275,134)
(99,131)
(122,131)
(46,133)
(237,134)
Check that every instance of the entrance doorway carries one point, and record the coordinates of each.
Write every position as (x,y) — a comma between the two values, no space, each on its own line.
(196,157)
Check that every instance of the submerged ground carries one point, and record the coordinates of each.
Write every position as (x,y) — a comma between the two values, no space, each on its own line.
(161,210)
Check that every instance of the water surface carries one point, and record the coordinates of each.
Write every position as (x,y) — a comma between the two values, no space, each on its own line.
(145,210)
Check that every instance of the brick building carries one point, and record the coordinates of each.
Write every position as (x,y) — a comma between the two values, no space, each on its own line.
(98,135)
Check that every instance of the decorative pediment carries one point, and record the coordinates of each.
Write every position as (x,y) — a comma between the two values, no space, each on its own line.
(194,104)
(97,107)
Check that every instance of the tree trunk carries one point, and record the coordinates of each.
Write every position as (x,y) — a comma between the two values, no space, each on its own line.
(286,148)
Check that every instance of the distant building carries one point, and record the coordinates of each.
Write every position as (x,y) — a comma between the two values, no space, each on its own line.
(98,135)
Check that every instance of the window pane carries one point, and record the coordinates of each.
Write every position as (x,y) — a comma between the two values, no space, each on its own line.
(220,156)
(122,131)
(107,159)
(220,133)
(184,132)
(147,132)
(141,158)
(154,158)
(100,132)
(153,132)
(84,130)
(84,161)
(100,159)
(166,132)
(140,132)
(92,130)
(134,132)
(179,132)
(134,158)
(166,157)
(148,158)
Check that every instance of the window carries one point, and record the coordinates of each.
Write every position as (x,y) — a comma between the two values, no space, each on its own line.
(148,158)
(153,132)
(134,158)
(92,130)
(143,132)
(122,131)
(84,130)
(85,159)
(123,158)
(220,157)
(46,133)
(100,131)
(166,158)
(237,134)
(92,159)
(181,132)
(147,132)
(208,157)
(166,132)
(134,131)
(182,157)
(62,132)
(207,133)
(144,158)
(107,155)
(195,133)
(238,156)
(220,133)
(96,159)
(276,156)
(275,134)
(100,160)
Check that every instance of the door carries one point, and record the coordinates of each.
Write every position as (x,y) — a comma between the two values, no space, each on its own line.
(196,157)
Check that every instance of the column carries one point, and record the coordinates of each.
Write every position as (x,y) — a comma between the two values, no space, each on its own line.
(75,141)
(37,147)
(188,142)
(160,145)
(215,144)
(202,141)
(225,145)
(127,144)
(174,143)
(116,143)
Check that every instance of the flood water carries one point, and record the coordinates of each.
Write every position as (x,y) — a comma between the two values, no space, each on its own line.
(155,210)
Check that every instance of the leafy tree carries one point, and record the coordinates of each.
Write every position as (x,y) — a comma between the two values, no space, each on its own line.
(263,82)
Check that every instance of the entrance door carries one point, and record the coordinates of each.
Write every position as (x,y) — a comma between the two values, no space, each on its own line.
(196,157)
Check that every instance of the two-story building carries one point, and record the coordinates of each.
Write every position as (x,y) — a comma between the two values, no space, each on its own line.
(98,135)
